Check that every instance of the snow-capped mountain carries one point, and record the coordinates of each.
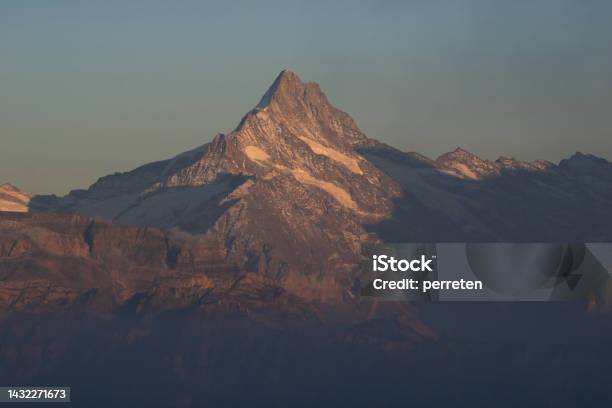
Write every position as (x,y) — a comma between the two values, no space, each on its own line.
(286,191)
(296,189)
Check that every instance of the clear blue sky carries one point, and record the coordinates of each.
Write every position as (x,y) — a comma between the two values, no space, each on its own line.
(89,88)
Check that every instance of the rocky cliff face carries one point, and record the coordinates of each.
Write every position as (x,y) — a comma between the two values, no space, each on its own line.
(49,261)
(286,191)
(54,263)
(12,199)
(71,268)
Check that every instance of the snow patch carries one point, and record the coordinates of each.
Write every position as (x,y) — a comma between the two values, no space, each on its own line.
(465,171)
(347,161)
(339,194)
(256,154)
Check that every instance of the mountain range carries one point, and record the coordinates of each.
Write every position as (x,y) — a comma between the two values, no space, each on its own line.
(296,189)
(225,275)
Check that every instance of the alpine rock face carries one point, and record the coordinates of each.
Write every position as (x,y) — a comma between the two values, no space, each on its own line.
(12,199)
(286,191)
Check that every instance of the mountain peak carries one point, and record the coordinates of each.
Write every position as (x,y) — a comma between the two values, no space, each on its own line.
(457,154)
(467,164)
(583,156)
(288,75)
(286,84)
(302,107)
(586,163)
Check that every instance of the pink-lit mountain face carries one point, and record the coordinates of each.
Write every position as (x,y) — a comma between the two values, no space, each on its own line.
(296,190)
(12,199)
(286,191)
(234,266)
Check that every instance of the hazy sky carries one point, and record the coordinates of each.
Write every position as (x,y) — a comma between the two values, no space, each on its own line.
(90,88)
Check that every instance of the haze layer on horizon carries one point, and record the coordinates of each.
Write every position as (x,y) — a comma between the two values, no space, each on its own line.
(90,89)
